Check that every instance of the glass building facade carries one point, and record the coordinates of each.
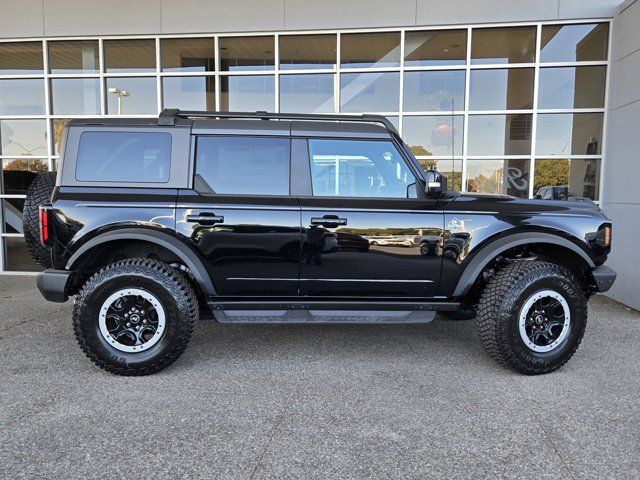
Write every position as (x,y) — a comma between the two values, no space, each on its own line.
(499,109)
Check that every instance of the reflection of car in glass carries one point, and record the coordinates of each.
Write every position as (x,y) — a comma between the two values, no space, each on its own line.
(249,217)
(559,192)
(390,240)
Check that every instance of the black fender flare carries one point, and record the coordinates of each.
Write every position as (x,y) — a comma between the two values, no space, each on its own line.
(494,248)
(187,255)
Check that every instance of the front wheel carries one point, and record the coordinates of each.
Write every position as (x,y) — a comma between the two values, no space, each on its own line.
(135,316)
(532,316)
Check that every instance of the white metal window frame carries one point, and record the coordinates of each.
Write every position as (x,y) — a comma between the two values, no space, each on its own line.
(337,70)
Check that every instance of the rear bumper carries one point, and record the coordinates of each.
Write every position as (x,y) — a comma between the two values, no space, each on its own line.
(53,284)
(604,278)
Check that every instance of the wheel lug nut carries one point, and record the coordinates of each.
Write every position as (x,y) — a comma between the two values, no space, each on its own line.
(144,321)
(137,327)
(142,312)
(126,315)
(128,324)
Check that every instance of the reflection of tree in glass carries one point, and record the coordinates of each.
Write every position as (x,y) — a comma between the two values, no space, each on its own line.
(551,173)
(58,125)
(490,184)
(419,150)
(37,166)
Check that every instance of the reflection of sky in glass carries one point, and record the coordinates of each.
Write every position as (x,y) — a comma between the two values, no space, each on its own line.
(188,93)
(434,91)
(567,133)
(247,93)
(369,92)
(306,93)
(571,87)
(22,97)
(564,45)
(489,135)
(75,96)
(141,96)
(23,137)
(433,135)
(501,89)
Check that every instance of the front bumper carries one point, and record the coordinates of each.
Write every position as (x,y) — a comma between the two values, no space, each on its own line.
(604,278)
(53,284)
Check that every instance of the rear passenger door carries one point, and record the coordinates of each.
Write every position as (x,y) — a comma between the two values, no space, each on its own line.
(240,216)
(368,229)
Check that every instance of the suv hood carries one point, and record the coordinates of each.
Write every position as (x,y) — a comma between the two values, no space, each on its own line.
(508,204)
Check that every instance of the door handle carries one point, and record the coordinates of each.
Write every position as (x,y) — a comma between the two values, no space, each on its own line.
(329,221)
(205,219)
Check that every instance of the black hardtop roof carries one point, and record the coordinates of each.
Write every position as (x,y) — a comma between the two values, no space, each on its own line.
(261,123)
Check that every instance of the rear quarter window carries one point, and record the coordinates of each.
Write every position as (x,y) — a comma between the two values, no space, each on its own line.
(133,157)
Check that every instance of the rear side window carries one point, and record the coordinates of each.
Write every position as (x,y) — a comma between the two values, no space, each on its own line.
(133,157)
(242,165)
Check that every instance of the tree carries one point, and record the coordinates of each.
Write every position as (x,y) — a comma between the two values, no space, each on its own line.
(550,173)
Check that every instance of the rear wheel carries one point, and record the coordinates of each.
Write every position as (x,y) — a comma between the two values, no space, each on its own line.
(532,316)
(135,316)
(39,192)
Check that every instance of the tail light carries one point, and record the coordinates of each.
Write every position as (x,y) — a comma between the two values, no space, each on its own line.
(45,225)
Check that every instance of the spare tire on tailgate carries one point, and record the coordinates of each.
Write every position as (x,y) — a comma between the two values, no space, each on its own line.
(39,192)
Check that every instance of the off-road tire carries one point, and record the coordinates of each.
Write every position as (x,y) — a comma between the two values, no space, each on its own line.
(499,309)
(171,288)
(39,192)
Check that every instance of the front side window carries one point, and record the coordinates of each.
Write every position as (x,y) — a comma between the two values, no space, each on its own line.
(242,165)
(132,157)
(359,168)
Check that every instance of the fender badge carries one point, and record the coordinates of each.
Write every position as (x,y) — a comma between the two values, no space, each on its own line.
(455,224)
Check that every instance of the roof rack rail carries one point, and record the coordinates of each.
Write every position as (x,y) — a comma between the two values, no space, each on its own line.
(168,116)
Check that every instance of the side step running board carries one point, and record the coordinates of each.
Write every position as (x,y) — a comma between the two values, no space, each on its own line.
(230,303)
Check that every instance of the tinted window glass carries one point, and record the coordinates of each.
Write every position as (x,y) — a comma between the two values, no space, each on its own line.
(351,168)
(242,165)
(134,157)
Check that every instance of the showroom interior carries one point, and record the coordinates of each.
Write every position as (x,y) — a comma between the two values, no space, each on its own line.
(517,102)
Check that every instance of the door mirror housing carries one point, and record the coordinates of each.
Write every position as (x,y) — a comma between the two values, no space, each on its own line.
(436,184)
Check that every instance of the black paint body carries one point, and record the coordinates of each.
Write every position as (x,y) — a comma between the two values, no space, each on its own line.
(267,246)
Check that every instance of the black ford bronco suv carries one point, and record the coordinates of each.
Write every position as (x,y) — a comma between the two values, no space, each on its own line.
(277,218)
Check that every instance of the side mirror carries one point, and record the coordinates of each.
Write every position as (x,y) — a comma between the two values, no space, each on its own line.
(436,184)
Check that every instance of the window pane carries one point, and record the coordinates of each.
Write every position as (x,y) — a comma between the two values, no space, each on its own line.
(504,89)
(126,95)
(499,134)
(17,257)
(434,90)
(247,93)
(503,45)
(75,96)
(251,166)
(508,177)
(369,92)
(12,215)
(21,58)
(370,49)
(452,169)
(570,43)
(433,135)
(18,174)
(307,93)
(23,137)
(569,133)
(188,55)
(351,168)
(57,124)
(572,87)
(130,55)
(189,93)
(124,157)
(307,51)
(435,47)
(74,57)
(246,53)
(22,97)
(563,179)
